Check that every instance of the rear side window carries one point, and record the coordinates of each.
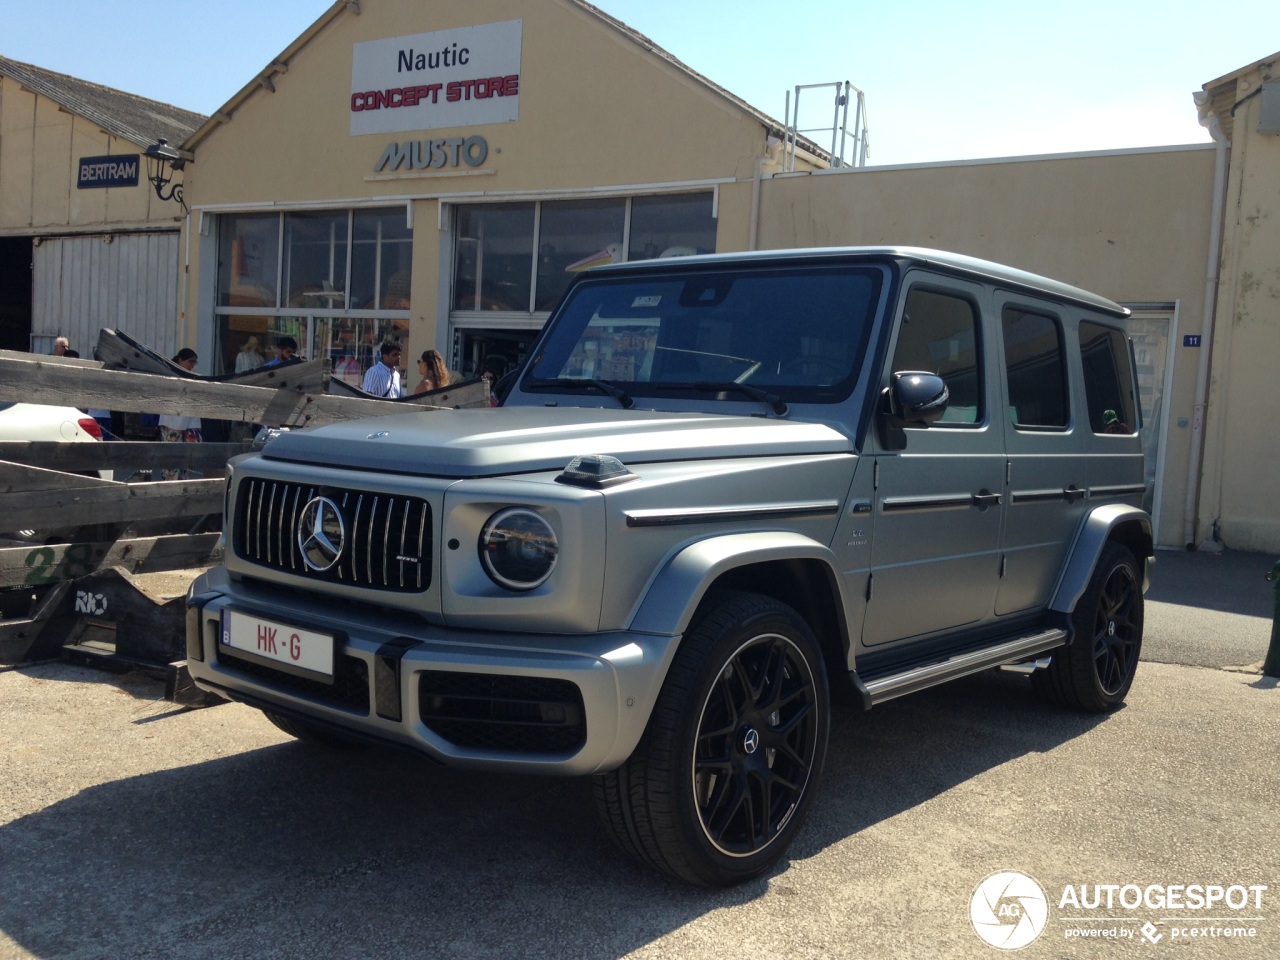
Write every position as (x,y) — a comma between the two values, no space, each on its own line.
(939,334)
(1108,379)
(1035,366)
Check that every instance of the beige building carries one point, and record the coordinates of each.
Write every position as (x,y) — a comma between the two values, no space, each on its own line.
(85,242)
(437,173)
(1237,503)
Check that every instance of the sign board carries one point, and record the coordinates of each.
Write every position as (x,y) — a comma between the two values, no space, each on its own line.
(117,171)
(1191,340)
(426,81)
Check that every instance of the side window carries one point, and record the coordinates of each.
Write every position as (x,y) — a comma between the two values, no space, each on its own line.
(1036,370)
(1108,379)
(939,335)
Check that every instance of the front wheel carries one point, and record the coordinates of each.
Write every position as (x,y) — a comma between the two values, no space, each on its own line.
(718,786)
(1095,672)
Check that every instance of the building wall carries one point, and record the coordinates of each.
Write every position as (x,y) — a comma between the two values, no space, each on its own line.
(1238,504)
(1132,226)
(98,256)
(597,113)
(41,146)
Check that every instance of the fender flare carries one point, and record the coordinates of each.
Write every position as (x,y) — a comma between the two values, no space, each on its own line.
(672,596)
(1095,530)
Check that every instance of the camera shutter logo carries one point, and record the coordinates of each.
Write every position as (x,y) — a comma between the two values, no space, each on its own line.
(321,534)
(1008,910)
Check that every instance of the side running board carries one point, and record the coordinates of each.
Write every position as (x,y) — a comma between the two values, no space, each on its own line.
(919,677)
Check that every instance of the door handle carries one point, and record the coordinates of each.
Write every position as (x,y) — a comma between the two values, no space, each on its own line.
(985,498)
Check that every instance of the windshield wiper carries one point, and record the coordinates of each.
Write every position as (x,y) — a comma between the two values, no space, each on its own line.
(604,386)
(755,393)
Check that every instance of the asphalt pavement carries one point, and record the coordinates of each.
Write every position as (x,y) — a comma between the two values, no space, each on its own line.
(131,828)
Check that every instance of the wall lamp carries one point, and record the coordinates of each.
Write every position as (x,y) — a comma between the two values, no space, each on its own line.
(162,162)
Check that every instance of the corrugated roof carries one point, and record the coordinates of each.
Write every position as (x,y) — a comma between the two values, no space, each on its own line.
(135,119)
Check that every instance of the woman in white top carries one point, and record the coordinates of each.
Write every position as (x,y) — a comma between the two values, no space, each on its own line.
(250,356)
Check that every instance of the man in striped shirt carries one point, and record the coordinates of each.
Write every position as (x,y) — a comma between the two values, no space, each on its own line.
(383,378)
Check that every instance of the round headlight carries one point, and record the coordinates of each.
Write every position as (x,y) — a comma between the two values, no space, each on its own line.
(518,548)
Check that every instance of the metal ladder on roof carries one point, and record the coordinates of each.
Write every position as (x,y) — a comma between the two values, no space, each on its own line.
(848,145)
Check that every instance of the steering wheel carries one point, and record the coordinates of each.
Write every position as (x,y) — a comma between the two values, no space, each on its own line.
(813,364)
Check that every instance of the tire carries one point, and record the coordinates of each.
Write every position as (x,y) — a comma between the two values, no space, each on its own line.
(1094,673)
(312,734)
(720,782)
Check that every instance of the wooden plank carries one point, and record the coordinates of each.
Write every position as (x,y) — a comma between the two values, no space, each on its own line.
(30,638)
(99,499)
(33,381)
(20,478)
(49,358)
(125,456)
(33,566)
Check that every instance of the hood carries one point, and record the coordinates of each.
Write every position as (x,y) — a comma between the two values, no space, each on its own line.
(490,442)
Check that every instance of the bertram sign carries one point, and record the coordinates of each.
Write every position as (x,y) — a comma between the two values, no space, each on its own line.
(113,171)
(450,78)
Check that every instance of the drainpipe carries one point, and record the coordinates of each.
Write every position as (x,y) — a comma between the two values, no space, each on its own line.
(1206,330)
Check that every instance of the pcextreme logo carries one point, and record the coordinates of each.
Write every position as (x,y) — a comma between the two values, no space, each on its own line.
(1010,910)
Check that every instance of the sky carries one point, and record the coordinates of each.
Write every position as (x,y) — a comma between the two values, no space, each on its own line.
(942,80)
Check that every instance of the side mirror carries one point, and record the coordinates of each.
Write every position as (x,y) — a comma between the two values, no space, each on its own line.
(913,398)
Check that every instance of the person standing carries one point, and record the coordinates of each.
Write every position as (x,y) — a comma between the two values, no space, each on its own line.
(383,378)
(250,356)
(61,346)
(176,428)
(286,353)
(433,372)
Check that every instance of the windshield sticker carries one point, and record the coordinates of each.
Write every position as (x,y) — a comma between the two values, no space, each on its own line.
(650,301)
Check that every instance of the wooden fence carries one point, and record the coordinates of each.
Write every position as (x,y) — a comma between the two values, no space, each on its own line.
(60,522)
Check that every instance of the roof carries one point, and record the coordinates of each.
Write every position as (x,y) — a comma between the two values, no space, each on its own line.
(124,115)
(956,263)
(1219,96)
(280,64)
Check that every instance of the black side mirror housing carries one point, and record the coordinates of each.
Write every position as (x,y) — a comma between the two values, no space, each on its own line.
(914,398)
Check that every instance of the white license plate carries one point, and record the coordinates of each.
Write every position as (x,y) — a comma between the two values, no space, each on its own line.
(278,642)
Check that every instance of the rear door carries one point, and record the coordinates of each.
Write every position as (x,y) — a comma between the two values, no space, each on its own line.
(1047,475)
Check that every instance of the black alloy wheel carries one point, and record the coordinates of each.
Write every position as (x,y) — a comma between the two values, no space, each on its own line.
(1094,673)
(720,782)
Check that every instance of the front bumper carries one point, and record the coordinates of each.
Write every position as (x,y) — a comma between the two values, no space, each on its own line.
(499,701)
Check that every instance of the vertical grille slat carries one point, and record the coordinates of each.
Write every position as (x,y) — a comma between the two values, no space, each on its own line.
(380,534)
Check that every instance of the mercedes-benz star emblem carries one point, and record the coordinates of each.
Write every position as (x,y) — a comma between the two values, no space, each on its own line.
(750,741)
(321,534)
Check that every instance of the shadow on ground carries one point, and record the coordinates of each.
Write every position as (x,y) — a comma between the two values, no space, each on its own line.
(294,851)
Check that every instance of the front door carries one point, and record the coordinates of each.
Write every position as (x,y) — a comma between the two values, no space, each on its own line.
(939,502)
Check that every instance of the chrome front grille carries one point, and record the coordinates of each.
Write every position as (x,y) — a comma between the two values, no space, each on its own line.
(385,542)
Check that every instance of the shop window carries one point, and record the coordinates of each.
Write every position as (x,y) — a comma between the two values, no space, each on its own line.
(669,226)
(315,260)
(1036,370)
(354,344)
(494,257)
(1108,379)
(496,268)
(573,235)
(248,260)
(381,259)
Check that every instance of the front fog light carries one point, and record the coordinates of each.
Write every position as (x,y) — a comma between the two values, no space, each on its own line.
(518,548)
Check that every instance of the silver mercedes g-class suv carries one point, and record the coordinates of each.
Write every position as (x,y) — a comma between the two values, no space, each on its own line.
(720,488)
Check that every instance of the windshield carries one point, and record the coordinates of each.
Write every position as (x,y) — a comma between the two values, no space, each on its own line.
(796,333)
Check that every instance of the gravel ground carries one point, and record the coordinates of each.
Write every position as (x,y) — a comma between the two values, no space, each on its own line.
(131,828)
